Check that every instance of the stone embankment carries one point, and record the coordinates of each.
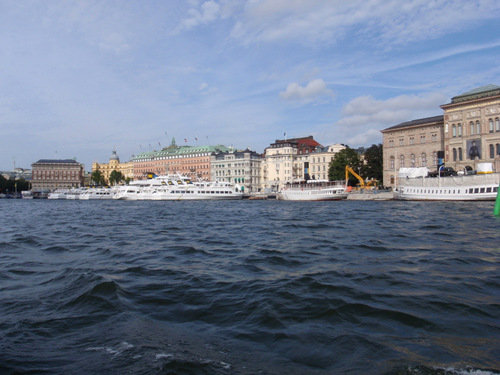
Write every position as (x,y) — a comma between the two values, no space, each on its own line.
(371,196)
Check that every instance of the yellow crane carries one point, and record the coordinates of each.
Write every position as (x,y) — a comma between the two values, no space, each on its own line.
(361,181)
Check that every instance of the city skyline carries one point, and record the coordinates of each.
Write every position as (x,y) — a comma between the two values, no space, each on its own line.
(83,78)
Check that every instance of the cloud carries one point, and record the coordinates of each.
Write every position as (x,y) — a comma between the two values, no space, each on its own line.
(308,93)
(203,14)
(366,110)
(388,22)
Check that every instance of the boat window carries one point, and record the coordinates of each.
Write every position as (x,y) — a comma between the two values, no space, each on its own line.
(488,190)
(476,190)
(482,190)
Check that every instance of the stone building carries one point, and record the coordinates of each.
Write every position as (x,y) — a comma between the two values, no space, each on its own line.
(50,174)
(468,133)
(127,169)
(320,159)
(411,144)
(192,161)
(287,161)
(242,167)
(472,128)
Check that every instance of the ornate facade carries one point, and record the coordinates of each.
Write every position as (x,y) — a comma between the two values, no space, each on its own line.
(472,128)
(193,161)
(466,134)
(127,169)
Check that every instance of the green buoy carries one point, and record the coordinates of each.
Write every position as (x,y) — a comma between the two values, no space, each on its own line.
(496,211)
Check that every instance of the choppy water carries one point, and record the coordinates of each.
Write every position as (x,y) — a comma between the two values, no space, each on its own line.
(249,287)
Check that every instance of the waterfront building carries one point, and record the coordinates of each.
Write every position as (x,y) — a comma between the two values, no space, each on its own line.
(287,161)
(468,133)
(192,161)
(320,159)
(242,167)
(49,174)
(472,128)
(413,143)
(127,169)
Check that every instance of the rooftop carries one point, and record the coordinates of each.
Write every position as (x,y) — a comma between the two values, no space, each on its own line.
(417,122)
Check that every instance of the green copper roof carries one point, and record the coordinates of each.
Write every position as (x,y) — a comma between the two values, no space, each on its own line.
(183,150)
(477,93)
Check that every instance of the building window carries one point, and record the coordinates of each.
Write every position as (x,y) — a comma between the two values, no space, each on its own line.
(412,140)
(424,160)
(412,160)
(459,130)
(498,148)
(471,124)
(497,125)
(490,121)
(422,139)
(435,158)
(460,154)
(454,154)
(391,162)
(454,131)
(478,127)
(401,142)
(401,161)
(492,151)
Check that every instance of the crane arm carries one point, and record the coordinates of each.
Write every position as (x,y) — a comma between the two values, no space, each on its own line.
(349,169)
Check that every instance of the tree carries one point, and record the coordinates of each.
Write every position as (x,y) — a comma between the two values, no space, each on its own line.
(347,156)
(373,166)
(116,177)
(98,178)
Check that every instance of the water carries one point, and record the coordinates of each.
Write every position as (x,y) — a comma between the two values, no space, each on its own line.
(249,287)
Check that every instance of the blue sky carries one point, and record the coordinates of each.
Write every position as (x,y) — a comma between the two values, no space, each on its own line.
(81,78)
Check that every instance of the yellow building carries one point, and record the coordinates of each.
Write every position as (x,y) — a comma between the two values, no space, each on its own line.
(127,169)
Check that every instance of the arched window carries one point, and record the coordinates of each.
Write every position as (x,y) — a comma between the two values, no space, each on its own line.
(490,121)
(435,158)
(454,154)
(401,161)
(478,127)
(454,131)
(459,130)
(471,124)
(391,162)
(412,160)
(492,151)
(424,160)
(498,148)
(460,154)
(497,125)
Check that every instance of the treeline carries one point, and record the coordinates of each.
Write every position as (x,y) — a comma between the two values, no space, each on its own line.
(11,186)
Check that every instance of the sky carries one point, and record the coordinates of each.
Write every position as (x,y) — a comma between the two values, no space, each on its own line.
(81,78)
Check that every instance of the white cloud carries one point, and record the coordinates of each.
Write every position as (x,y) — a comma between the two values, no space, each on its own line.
(386,21)
(365,110)
(207,12)
(308,93)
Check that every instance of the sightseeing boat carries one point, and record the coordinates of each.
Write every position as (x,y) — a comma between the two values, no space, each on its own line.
(421,184)
(97,193)
(178,187)
(313,190)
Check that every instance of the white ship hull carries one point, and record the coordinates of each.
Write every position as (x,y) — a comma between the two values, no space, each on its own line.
(312,193)
(479,187)
(170,188)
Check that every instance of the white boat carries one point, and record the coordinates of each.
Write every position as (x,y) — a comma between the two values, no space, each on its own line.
(97,193)
(480,185)
(178,187)
(313,191)
(73,193)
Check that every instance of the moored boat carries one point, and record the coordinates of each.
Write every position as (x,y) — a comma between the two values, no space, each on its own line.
(421,184)
(313,191)
(178,187)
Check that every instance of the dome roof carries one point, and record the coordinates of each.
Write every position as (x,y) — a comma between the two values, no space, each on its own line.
(114,157)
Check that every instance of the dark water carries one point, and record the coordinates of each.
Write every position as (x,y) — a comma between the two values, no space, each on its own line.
(249,287)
